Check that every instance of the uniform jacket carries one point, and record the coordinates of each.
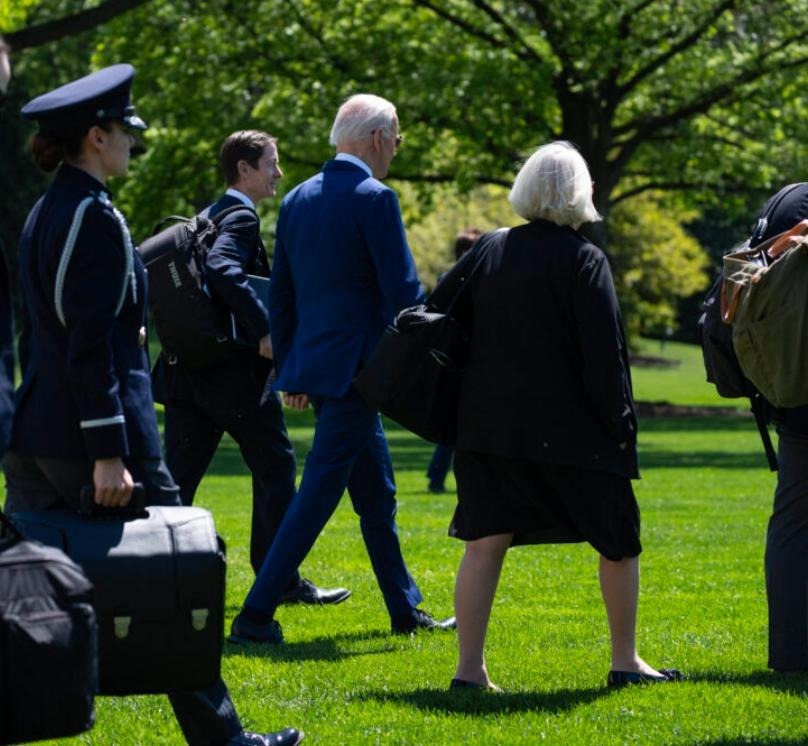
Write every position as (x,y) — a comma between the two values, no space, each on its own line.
(342,270)
(236,384)
(548,376)
(85,391)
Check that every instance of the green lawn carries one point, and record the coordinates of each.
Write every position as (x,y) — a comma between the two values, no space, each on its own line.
(705,496)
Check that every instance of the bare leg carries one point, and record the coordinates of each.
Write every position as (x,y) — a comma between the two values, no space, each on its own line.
(620,586)
(476,584)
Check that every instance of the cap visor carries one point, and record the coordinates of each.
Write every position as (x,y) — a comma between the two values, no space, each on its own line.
(135,122)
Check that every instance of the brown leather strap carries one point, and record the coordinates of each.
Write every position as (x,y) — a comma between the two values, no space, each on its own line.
(729,306)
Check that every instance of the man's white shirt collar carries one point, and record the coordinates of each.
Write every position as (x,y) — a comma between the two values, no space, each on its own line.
(356,161)
(240,196)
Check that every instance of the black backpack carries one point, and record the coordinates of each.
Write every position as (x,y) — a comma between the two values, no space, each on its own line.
(715,336)
(194,328)
(48,642)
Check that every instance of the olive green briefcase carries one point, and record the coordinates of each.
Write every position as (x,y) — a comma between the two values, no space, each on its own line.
(768,309)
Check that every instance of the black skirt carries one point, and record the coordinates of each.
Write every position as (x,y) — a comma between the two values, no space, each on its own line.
(543,503)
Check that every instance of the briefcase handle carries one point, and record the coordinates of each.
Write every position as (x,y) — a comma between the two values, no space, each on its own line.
(135,508)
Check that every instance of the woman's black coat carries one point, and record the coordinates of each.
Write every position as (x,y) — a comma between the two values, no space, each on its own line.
(547,378)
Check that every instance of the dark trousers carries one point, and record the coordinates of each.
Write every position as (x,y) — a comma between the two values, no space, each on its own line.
(349,450)
(207,716)
(787,557)
(439,465)
(193,431)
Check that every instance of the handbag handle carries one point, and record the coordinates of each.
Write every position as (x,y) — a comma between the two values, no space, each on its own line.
(477,254)
(789,239)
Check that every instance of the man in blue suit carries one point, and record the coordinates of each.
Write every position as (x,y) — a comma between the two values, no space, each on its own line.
(342,270)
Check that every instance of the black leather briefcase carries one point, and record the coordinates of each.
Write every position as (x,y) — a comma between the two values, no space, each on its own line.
(159,581)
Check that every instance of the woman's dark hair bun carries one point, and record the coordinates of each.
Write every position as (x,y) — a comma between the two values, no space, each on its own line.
(48,150)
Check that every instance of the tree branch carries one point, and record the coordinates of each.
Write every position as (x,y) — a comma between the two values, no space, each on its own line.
(684,43)
(59,28)
(681,186)
(530,53)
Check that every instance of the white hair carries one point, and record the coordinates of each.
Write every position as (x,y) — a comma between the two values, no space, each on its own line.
(359,116)
(554,184)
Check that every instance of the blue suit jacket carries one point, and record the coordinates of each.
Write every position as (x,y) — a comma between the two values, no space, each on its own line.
(342,270)
(86,391)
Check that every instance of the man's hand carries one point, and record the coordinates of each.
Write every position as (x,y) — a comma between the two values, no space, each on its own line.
(113,483)
(265,347)
(296,401)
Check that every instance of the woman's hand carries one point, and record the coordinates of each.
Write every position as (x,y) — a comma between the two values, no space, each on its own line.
(113,483)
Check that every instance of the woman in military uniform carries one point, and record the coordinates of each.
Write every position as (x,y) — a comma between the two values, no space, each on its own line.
(85,414)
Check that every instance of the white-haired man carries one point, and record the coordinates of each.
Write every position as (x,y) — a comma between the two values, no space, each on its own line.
(342,270)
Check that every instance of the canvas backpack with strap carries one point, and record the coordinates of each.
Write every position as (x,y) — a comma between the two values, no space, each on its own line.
(194,328)
(721,362)
(767,306)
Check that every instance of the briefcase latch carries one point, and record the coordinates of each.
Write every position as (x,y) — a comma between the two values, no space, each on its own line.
(199,619)
(122,624)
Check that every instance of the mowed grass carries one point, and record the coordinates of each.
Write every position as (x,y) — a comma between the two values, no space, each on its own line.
(705,497)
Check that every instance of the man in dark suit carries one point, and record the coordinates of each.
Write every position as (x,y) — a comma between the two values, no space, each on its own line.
(235,396)
(342,270)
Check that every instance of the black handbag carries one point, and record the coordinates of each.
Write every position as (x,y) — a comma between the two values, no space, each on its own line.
(48,642)
(413,375)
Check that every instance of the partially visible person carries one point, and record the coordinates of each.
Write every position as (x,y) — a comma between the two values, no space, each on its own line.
(342,270)
(235,395)
(547,442)
(6,306)
(85,413)
(786,557)
(441,460)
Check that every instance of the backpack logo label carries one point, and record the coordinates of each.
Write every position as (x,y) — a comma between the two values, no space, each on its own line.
(175,275)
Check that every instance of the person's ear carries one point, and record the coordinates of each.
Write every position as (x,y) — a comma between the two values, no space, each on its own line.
(96,137)
(244,169)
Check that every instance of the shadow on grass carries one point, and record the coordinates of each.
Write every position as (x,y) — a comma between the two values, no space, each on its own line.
(650,458)
(795,682)
(331,648)
(485,703)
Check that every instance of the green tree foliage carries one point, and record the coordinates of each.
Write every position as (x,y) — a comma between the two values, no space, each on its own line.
(656,263)
(699,98)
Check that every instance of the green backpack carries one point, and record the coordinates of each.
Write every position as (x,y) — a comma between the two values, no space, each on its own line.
(767,306)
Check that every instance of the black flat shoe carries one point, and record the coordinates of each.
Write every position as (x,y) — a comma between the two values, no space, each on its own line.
(627,678)
(463,684)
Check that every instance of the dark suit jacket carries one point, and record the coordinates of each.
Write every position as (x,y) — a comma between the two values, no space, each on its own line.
(85,391)
(235,385)
(548,376)
(342,270)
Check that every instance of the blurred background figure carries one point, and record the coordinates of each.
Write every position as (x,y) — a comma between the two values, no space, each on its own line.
(441,460)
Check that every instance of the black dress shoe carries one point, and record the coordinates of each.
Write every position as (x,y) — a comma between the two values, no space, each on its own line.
(406,624)
(243,631)
(286,737)
(305,592)
(626,678)
(473,685)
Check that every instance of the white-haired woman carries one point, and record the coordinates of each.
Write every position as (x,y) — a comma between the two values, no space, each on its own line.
(547,452)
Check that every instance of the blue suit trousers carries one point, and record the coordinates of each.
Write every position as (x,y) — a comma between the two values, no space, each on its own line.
(349,451)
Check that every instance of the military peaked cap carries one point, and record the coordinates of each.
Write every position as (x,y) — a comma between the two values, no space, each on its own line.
(87,101)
